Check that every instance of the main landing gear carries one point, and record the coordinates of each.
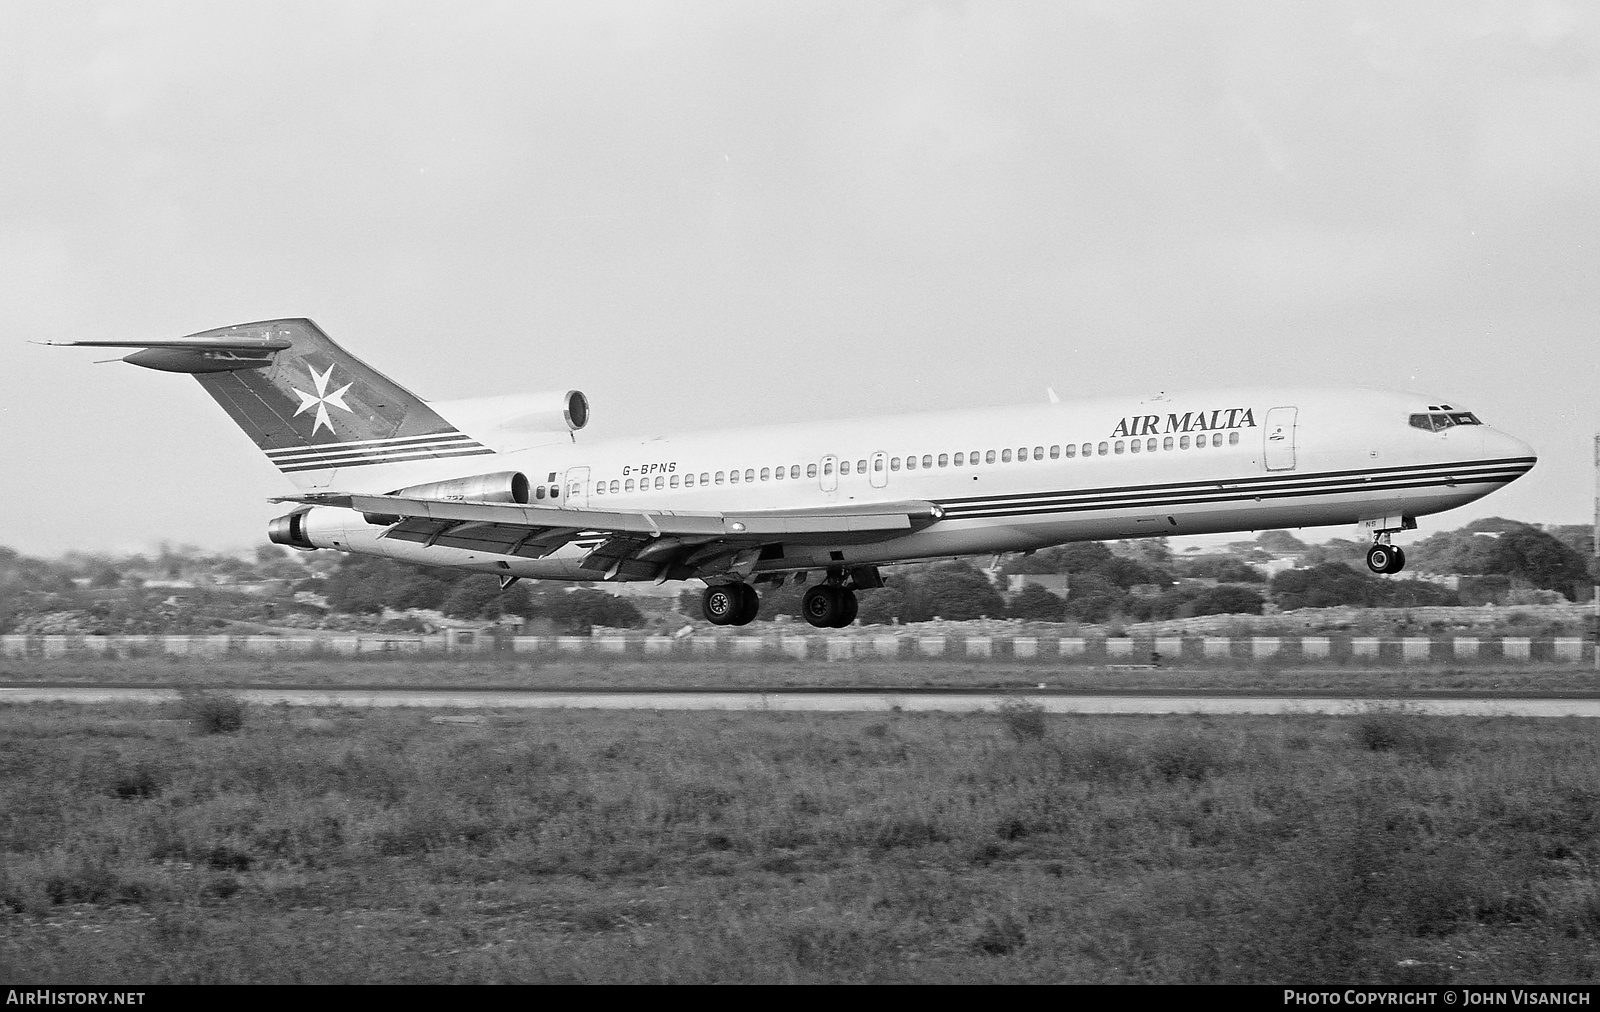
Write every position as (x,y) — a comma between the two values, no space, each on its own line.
(730,604)
(829,607)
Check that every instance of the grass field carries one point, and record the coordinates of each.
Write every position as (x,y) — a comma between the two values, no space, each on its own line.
(511,671)
(213,842)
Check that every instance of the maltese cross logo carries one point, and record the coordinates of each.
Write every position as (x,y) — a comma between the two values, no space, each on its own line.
(321,399)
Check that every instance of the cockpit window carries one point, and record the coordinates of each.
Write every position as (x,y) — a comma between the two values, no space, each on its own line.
(1438,422)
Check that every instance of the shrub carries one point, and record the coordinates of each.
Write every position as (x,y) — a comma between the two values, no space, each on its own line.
(138,782)
(1000,935)
(213,713)
(1035,603)
(1024,720)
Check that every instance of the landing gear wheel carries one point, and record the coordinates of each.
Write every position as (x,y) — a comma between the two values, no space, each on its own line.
(1381,558)
(823,606)
(722,603)
(851,607)
(749,604)
(1398,562)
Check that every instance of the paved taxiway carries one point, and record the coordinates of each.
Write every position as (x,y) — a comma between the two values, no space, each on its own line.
(835,702)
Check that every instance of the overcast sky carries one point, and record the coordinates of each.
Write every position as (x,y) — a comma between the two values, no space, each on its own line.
(701,213)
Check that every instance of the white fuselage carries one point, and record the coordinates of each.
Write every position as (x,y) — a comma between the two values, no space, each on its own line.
(1214,461)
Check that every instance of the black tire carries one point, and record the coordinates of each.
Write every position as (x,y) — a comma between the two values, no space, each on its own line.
(721,604)
(1398,562)
(822,606)
(847,613)
(749,605)
(1380,558)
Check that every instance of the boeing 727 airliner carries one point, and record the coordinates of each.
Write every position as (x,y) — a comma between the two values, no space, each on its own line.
(505,485)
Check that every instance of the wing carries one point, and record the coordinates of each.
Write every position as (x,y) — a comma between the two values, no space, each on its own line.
(627,544)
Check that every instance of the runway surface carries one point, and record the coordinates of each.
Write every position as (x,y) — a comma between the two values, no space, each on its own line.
(835,702)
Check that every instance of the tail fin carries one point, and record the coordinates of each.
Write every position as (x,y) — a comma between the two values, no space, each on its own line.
(310,405)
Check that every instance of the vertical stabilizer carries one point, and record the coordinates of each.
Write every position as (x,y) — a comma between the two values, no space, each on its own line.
(311,406)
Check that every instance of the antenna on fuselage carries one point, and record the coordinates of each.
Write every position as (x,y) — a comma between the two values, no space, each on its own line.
(1050,392)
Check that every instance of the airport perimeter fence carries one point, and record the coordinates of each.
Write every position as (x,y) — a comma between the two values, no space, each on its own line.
(784,645)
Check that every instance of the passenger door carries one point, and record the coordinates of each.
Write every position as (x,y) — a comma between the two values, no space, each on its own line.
(879,473)
(830,474)
(1279,435)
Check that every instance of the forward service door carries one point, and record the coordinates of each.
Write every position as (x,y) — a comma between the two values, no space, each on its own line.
(1279,435)
(830,473)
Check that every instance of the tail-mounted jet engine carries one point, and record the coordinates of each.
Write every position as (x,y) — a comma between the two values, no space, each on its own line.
(290,530)
(502,486)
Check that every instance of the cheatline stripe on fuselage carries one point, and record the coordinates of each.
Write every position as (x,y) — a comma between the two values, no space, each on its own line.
(361,460)
(366,445)
(1241,489)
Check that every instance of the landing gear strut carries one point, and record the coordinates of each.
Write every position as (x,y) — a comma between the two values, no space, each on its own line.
(730,604)
(829,607)
(1384,557)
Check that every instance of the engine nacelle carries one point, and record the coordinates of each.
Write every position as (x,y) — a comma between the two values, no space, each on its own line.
(553,411)
(290,530)
(502,486)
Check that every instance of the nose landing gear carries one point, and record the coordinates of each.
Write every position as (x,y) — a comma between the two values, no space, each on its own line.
(1385,558)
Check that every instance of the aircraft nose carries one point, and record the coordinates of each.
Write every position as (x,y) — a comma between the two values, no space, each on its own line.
(1499,445)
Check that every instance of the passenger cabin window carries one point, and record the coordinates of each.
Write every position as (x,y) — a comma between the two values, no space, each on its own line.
(811,470)
(944,460)
(927,460)
(1119,446)
(844,467)
(538,493)
(1136,446)
(911,463)
(1038,453)
(1055,452)
(688,480)
(1150,444)
(749,474)
(794,471)
(705,477)
(766,474)
(1233,438)
(827,468)
(877,465)
(894,463)
(861,466)
(674,481)
(778,473)
(1105,446)
(1166,444)
(1005,456)
(988,457)
(959,458)
(1072,449)
(1088,449)
(719,481)
(733,477)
